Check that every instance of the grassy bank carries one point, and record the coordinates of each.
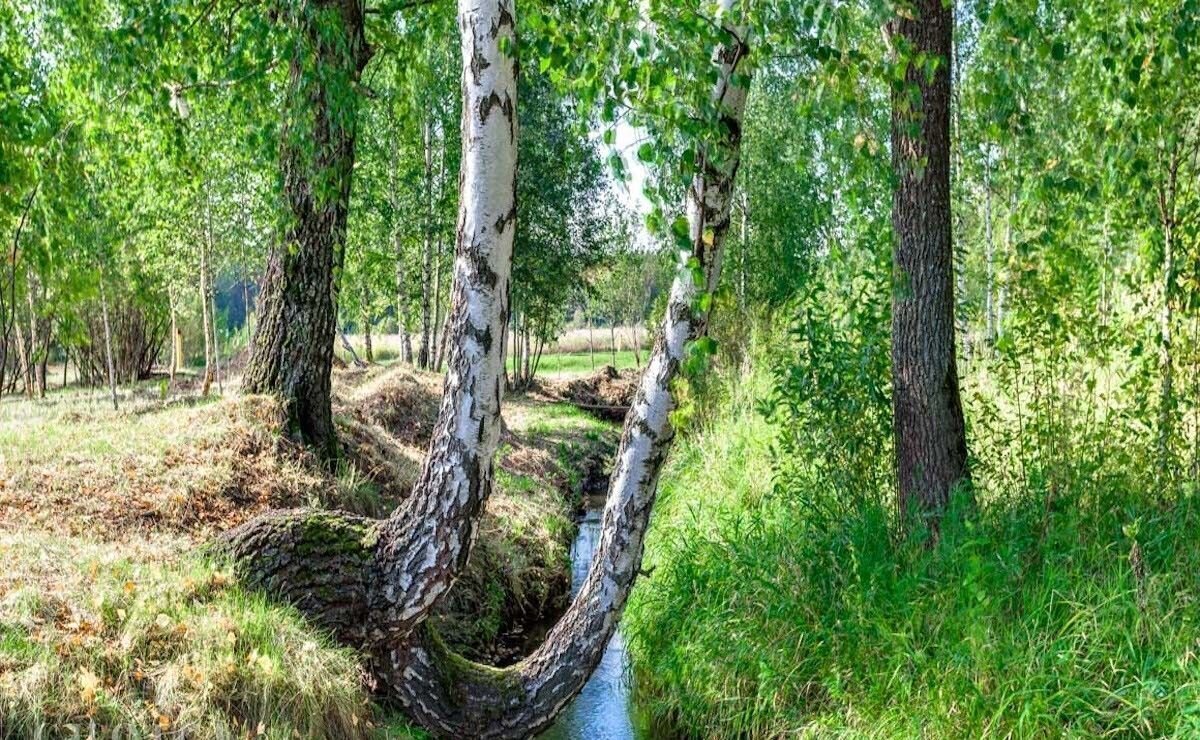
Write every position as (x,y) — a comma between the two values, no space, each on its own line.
(111,617)
(1066,607)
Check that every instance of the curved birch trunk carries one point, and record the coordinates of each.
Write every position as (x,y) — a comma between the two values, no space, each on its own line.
(418,552)
(425,543)
(375,584)
(453,697)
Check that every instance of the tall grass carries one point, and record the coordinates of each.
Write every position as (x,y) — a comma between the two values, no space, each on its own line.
(1065,604)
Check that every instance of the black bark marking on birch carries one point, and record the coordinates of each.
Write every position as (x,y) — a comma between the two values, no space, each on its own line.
(480,267)
(479,65)
(930,441)
(506,219)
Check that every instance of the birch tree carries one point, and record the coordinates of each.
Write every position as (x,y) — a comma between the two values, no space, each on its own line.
(381,580)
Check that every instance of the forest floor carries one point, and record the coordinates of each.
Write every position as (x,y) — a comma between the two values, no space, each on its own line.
(110,617)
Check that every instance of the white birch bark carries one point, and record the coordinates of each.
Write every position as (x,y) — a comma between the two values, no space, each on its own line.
(425,543)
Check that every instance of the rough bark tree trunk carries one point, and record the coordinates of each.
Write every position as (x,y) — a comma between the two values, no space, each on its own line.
(387,577)
(292,353)
(930,441)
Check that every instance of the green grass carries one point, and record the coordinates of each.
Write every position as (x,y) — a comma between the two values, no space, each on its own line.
(781,612)
(96,639)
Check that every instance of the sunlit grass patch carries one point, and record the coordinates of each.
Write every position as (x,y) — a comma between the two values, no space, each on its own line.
(131,642)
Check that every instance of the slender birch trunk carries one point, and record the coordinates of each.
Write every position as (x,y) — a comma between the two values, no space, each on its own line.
(1166,316)
(37,379)
(23,356)
(435,350)
(206,316)
(108,351)
(176,339)
(216,338)
(591,344)
(989,288)
(427,253)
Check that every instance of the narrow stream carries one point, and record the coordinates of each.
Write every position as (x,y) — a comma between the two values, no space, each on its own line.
(604,709)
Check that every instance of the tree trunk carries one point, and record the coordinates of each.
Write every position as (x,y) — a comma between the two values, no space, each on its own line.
(441,353)
(108,351)
(612,340)
(427,253)
(591,344)
(37,380)
(1166,318)
(989,287)
(23,352)
(413,558)
(292,353)
(350,351)
(402,315)
(216,338)
(368,349)
(205,313)
(176,341)
(744,256)
(930,441)
(435,351)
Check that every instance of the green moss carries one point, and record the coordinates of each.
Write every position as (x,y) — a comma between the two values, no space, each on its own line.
(330,533)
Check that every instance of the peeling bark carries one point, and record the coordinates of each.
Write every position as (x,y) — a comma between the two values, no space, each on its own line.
(425,543)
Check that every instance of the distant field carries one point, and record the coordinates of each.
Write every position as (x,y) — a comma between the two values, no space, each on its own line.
(581,363)
(569,355)
(571,341)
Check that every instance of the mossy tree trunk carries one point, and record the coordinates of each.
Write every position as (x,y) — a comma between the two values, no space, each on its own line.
(292,352)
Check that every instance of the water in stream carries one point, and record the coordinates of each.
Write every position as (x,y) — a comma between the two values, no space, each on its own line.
(604,709)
